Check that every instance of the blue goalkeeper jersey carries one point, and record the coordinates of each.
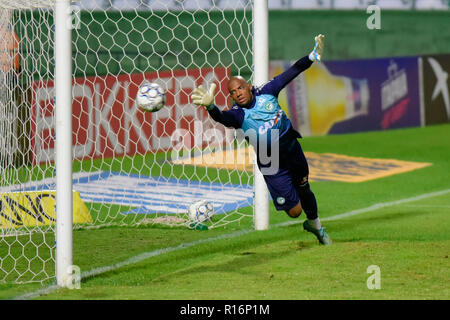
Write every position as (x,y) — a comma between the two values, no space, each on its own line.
(264,115)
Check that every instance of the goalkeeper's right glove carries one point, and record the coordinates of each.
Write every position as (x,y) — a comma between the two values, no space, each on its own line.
(316,54)
(201,97)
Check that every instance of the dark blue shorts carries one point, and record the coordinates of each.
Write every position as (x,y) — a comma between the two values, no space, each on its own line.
(293,171)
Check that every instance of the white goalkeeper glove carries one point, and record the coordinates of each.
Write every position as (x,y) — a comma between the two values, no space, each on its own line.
(316,54)
(201,97)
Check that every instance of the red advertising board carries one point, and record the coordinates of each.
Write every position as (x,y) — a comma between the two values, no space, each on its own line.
(106,121)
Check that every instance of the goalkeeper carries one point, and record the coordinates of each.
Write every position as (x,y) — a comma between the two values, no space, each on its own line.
(257,109)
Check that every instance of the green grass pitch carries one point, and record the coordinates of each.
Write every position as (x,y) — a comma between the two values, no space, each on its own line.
(409,241)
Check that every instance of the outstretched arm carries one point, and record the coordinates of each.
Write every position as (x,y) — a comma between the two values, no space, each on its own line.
(279,82)
(232,118)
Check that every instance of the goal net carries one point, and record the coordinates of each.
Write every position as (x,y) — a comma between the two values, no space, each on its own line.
(129,167)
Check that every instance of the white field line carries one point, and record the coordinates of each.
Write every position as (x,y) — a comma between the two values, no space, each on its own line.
(427,206)
(149,254)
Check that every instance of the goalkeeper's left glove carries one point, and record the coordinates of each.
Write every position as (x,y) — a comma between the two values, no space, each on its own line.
(201,97)
(316,54)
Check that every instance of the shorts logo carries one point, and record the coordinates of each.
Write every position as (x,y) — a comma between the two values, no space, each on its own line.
(281,200)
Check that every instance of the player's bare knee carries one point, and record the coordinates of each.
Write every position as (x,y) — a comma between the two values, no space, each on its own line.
(294,214)
(295,211)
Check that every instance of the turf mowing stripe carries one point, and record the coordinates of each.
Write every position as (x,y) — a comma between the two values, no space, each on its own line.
(153,253)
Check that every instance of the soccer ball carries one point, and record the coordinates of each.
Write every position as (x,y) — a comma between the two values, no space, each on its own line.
(201,211)
(151,97)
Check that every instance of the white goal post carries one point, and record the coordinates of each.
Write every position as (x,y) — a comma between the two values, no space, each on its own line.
(63,142)
(82,156)
(261,76)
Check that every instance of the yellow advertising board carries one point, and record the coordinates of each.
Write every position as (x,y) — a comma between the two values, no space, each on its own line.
(322,166)
(36,208)
(317,99)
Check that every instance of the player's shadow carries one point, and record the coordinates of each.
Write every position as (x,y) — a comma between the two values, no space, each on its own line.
(240,263)
(247,254)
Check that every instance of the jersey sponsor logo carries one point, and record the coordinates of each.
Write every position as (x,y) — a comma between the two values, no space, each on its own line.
(266,126)
(269,124)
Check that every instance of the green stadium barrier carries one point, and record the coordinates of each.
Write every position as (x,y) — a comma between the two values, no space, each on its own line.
(113,42)
(108,42)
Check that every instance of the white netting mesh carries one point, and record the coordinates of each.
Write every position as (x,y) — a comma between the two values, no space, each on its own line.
(127,166)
